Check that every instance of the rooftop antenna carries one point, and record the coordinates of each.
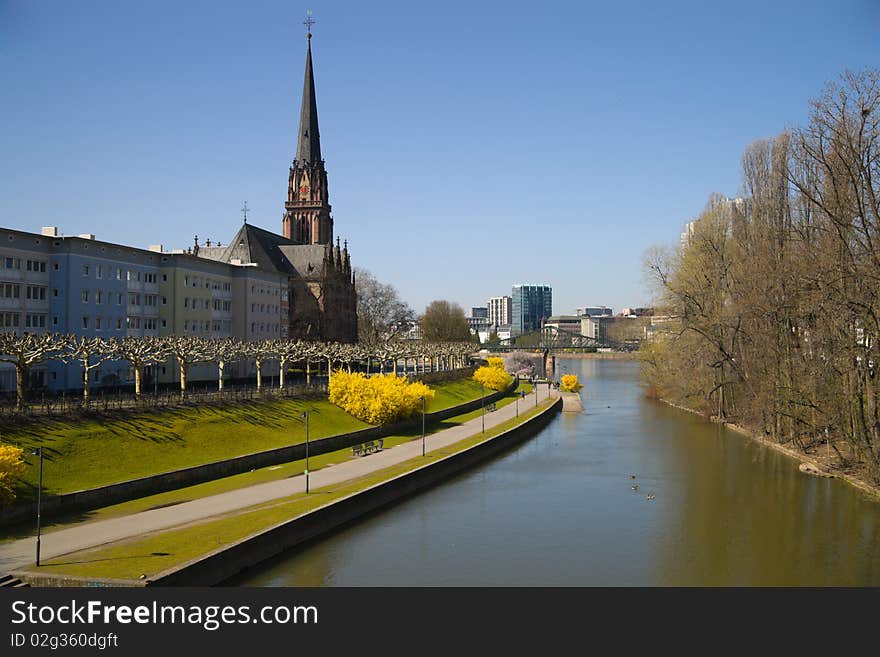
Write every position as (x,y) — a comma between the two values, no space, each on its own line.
(308,22)
(244,211)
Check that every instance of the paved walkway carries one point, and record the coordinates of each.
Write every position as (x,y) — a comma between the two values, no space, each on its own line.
(17,554)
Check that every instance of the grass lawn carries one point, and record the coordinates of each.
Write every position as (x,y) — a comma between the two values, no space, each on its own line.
(95,452)
(261,475)
(162,550)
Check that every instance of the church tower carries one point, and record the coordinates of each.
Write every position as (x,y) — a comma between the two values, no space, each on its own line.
(307,217)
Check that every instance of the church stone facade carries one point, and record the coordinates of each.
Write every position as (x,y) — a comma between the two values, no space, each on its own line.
(322,303)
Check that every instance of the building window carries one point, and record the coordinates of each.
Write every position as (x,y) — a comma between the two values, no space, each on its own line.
(10,291)
(85,270)
(97,323)
(99,271)
(55,320)
(85,322)
(118,323)
(99,297)
(13,263)
(85,296)
(56,267)
(54,291)
(164,323)
(164,278)
(119,298)
(36,265)
(118,274)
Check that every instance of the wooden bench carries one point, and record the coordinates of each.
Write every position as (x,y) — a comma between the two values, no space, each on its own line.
(367,448)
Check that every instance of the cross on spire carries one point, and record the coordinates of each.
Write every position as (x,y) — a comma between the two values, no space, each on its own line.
(308,22)
(244,211)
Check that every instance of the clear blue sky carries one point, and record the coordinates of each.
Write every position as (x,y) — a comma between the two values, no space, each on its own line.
(470,145)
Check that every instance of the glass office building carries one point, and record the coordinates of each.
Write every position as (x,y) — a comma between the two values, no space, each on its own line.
(532,304)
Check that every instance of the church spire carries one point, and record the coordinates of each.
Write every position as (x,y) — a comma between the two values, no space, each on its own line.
(308,150)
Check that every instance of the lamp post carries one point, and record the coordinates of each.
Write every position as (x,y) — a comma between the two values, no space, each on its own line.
(483,406)
(423,424)
(305,415)
(39,452)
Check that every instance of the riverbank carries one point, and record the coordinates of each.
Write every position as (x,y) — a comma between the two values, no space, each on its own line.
(598,355)
(814,459)
(211,550)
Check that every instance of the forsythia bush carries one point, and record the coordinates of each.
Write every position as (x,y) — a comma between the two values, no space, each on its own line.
(378,399)
(496,361)
(492,377)
(570,383)
(11,466)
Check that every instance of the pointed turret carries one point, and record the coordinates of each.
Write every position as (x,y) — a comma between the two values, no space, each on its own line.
(308,148)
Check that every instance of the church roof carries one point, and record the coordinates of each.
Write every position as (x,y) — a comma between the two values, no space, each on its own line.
(274,252)
(306,259)
(308,150)
(253,244)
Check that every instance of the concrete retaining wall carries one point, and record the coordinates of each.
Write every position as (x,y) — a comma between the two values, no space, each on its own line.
(95,498)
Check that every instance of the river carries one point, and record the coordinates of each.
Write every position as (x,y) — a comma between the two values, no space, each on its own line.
(560,510)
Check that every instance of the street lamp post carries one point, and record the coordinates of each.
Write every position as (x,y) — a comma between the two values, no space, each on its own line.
(305,415)
(39,452)
(483,406)
(423,425)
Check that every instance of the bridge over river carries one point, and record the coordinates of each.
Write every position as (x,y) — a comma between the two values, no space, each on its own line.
(706,507)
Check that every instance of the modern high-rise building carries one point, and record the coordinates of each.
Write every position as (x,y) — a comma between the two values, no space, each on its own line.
(499,311)
(530,306)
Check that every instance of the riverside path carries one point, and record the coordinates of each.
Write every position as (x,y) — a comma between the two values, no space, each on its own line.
(20,553)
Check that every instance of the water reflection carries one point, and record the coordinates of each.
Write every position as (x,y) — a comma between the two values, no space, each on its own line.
(560,510)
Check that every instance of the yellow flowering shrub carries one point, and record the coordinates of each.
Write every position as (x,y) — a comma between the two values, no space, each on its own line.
(494,378)
(11,466)
(378,399)
(496,361)
(570,383)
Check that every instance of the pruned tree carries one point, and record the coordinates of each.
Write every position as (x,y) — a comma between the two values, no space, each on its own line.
(25,351)
(90,353)
(187,351)
(224,351)
(140,353)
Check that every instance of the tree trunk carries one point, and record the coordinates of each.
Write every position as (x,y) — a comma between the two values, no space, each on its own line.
(182,366)
(282,365)
(329,369)
(308,372)
(86,385)
(220,366)
(259,365)
(137,381)
(21,373)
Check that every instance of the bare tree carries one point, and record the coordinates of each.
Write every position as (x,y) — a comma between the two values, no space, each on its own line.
(25,351)
(187,350)
(140,353)
(90,353)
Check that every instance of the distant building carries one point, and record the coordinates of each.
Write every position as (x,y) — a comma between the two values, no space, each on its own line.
(568,323)
(500,311)
(594,311)
(531,306)
(636,312)
(596,327)
(481,312)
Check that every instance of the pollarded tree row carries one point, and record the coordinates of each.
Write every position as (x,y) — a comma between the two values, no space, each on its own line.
(26,350)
